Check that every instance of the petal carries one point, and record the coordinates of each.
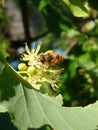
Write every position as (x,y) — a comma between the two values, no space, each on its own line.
(38,48)
(27,49)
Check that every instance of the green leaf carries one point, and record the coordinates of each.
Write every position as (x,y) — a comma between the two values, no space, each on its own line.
(2,108)
(76,7)
(31,109)
(72,68)
(85,61)
(42,5)
(72,33)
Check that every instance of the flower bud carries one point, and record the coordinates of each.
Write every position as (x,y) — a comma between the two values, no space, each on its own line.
(31,70)
(22,67)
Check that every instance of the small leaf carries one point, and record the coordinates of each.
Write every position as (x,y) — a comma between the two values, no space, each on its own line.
(2,108)
(42,5)
(76,7)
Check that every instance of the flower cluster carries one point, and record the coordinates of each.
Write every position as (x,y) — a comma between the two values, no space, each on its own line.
(35,71)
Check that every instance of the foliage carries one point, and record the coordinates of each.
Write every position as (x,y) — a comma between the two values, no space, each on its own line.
(31,109)
(3,31)
(73,24)
(72,28)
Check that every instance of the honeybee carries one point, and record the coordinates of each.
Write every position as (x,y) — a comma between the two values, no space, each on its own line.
(51,58)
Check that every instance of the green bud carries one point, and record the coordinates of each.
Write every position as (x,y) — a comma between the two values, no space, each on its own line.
(22,67)
(31,70)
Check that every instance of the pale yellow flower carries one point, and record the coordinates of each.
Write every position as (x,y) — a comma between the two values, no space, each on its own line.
(32,56)
(37,72)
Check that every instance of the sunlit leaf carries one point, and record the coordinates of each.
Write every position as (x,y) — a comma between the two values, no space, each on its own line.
(2,108)
(42,4)
(76,7)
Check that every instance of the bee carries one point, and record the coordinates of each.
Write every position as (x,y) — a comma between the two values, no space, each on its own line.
(51,58)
